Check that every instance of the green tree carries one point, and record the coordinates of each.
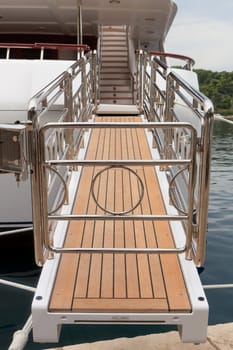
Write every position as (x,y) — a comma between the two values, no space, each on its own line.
(218,86)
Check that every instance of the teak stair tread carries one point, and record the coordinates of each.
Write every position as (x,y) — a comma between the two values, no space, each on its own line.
(121,282)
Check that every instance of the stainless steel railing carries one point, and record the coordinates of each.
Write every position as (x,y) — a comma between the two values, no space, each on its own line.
(69,98)
(47,162)
(179,117)
(166,97)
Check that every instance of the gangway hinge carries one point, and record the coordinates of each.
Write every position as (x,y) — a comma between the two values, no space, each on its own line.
(199,145)
(195,230)
(13,150)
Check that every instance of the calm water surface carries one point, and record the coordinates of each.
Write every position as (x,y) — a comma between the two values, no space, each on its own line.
(15,304)
(219,260)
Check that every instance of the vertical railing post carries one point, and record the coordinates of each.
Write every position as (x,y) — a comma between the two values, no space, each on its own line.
(202,212)
(68,102)
(192,183)
(152,88)
(170,98)
(140,72)
(144,81)
(84,89)
(35,188)
(44,196)
(94,77)
(8,51)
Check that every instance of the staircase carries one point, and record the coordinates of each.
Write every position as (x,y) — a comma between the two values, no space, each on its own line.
(116,86)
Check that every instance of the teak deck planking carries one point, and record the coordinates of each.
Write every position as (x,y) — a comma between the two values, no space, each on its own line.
(119,282)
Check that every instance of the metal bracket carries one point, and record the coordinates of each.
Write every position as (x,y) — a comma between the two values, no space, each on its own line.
(13,149)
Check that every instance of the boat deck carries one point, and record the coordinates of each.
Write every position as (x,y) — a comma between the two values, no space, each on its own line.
(119,282)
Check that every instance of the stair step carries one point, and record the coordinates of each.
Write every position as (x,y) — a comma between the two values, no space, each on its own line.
(115,81)
(112,64)
(117,101)
(114,70)
(109,45)
(115,88)
(120,38)
(106,54)
(116,95)
(113,29)
(113,59)
(114,75)
(118,49)
(112,41)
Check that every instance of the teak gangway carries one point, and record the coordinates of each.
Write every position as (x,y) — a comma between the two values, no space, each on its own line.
(92,283)
(119,202)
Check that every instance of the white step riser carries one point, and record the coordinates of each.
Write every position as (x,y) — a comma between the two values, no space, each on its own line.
(116,95)
(114,75)
(113,88)
(117,54)
(111,65)
(110,46)
(114,33)
(113,28)
(114,43)
(119,102)
(125,82)
(119,49)
(114,38)
(113,59)
(114,70)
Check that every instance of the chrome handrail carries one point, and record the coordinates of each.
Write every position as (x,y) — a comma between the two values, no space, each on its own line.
(169,132)
(203,109)
(163,91)
(70,97)
(189,62)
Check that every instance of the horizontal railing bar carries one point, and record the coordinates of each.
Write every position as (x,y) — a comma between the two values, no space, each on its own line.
(97,125)
(119,163)
(127,217)
(49,89)
(187,59)
(119,250)
(50,46)
(197,95)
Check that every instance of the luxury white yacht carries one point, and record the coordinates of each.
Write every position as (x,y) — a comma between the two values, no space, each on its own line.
(105,146)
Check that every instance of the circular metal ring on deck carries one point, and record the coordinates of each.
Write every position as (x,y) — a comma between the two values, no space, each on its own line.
(140,184)
(65,195)
(171,192)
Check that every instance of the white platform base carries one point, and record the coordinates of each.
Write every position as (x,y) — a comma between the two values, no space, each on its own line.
(117,109)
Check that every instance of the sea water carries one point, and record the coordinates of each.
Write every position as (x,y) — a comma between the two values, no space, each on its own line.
(15,304)
(219,258)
